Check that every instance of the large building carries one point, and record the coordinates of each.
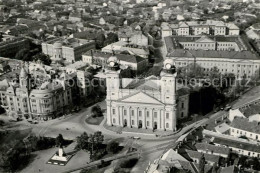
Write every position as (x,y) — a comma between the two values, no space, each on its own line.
(70,49)
(145,103)
(243,127)
(209,27)
(136,63)
(122,46)
(205,42)
(241,63)
(38,92)
(11,46)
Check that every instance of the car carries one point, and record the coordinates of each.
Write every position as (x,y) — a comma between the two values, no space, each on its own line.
(227,107)
(136,137)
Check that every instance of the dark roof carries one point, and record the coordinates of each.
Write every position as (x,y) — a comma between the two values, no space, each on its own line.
(176,40)
(252,110)
(183,91)
(244,124)
(209,147)
(237,144)
(230,169)
(198,155)
(213,54)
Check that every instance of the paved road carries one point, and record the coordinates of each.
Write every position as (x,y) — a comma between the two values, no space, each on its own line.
(75,125)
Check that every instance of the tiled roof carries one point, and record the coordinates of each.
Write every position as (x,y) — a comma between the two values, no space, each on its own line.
(198,155)
(237,144)
(121,57)
(214,54)
(209,147)
(175,41)
(244,124)
(230,169)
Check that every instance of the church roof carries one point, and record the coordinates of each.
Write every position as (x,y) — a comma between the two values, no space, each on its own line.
(205,39)
(141,97)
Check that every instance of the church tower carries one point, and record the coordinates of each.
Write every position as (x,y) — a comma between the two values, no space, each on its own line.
(168,91)
(113,83)
(23,78)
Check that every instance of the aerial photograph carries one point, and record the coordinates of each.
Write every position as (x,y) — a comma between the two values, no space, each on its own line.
(129,86)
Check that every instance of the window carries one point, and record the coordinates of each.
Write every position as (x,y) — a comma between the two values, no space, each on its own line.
(133,122)
(140,113)
(167,125)
(155,114)
(114,120)
(147,123)
(167,115)
(147,114)
(133,112)
(182,114)
(182,105)
(125,113)
(113,111)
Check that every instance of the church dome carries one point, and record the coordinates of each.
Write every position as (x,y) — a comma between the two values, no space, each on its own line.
(112,61)
(169,66)
(168,63)
(57,45)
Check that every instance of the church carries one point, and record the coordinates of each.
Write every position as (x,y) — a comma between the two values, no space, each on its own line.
(150,103)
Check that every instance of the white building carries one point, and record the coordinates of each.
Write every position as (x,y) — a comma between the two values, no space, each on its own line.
(144,103)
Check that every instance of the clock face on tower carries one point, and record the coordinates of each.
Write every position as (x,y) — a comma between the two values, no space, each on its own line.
(168,66)
(112,64)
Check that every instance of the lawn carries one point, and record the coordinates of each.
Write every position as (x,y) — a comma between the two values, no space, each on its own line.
(94,120)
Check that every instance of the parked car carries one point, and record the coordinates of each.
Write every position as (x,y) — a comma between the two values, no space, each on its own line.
(227,107)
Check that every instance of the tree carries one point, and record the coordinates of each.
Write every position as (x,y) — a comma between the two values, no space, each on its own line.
(14,157)
(23,54)
(59,140)
(202,163)
(113,147)
(100,39)
(82,142)
(96,111)
(45,59)
(99,138)
(91,144)
(111,38)
(206,11)
(256,164)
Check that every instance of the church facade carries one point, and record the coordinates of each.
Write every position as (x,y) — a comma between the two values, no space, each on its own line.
(149,103)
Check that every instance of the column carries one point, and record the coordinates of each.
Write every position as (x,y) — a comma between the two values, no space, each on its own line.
(152,118)
(144,118)
(159,119)
(129,117)
(122,116)
(119,115)
(163,119)
(136,118)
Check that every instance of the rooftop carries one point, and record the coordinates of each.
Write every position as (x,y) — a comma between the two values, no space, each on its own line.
(214,54)
(209,147)
(69,42)
(236,144)
(244,124)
